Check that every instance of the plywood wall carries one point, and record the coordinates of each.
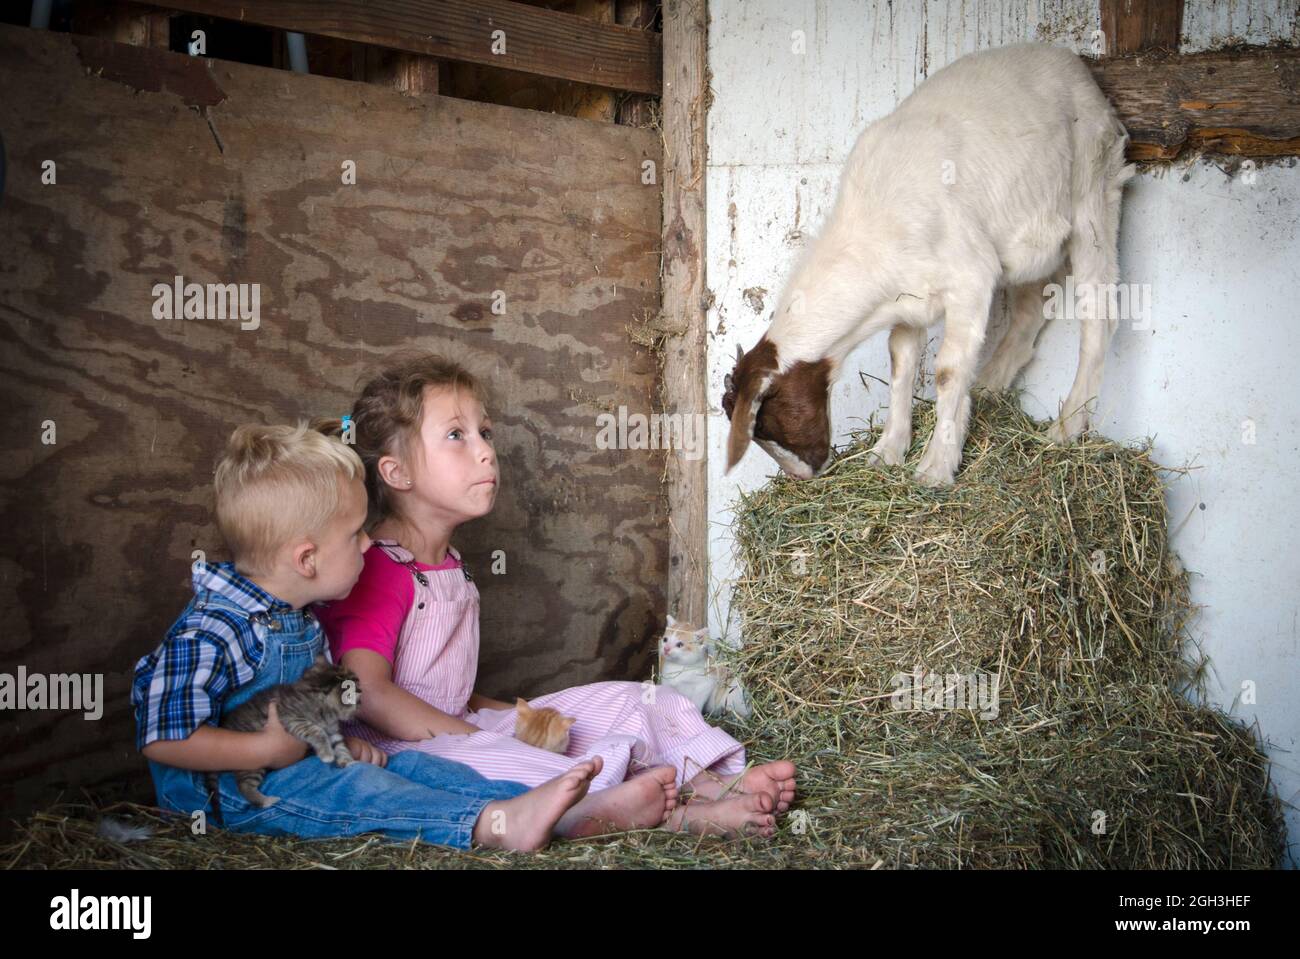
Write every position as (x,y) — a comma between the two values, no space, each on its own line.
(220,172)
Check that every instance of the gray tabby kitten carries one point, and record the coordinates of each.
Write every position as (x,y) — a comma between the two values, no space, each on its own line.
(309,709)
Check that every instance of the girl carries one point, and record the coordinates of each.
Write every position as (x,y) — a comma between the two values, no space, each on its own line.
(409,629)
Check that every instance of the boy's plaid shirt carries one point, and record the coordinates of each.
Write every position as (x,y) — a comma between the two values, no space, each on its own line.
(210,651)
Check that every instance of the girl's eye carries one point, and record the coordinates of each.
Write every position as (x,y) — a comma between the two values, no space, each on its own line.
(486,433)
(454,434)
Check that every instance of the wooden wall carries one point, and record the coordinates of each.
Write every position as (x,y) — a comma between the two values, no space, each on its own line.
(224,173)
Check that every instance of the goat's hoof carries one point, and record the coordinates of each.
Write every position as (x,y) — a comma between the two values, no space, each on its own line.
(935,479)
(1063,432)
(886,455)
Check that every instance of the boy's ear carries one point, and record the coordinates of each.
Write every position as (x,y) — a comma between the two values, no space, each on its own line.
(304,558)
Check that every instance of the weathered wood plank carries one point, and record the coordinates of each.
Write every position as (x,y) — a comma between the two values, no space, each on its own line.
(133,23)
(684,307)
(1133,25)
(636,110)
(544,42)
(1244,102)
(222,172)
(405,72)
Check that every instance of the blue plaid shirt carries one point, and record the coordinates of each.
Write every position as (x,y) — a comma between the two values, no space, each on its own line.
(210,651)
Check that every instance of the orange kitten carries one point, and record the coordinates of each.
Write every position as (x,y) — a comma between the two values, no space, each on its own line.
(544,728)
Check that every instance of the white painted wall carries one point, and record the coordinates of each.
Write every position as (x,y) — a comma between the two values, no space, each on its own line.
(1222,256)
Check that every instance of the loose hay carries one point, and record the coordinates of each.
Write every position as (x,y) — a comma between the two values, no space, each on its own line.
(1047,565)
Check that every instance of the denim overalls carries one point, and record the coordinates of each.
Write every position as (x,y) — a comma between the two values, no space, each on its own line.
(414,796)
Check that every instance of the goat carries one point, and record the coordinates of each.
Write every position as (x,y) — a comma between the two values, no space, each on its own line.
(1003,169)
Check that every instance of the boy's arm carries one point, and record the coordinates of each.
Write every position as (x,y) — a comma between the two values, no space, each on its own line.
(479,701)
(212,749)
(392,710)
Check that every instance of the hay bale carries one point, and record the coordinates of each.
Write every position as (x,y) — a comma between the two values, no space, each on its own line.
(1048,567)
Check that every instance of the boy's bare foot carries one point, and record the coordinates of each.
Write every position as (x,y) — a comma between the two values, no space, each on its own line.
(740,814)
(776,779)
(642,802)
(525,823)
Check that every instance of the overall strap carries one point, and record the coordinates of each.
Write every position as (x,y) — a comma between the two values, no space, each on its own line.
(403,556)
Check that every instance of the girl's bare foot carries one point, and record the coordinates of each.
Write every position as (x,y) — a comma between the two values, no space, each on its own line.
(525,823)
(776,779)
(642,802)
(740,814)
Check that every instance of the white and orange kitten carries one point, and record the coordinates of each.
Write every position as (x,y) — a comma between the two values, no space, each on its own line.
(684,665)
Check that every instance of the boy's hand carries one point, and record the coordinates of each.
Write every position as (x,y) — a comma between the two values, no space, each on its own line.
(364,752)
(282,749)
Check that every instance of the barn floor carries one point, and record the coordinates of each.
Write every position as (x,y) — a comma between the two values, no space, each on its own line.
(65,838)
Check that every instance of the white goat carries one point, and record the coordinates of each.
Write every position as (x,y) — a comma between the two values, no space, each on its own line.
(992,173)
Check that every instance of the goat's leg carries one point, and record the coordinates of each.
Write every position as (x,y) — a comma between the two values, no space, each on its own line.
(1028,314)
(905,346)
(966,320)
(1094,259)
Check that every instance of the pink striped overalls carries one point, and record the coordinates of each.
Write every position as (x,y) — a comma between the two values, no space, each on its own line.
(633,726)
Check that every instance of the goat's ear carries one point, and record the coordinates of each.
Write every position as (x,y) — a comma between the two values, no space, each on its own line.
(748,400)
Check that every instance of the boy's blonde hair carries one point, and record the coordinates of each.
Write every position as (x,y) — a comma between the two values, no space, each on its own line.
(275,484)
(388,413)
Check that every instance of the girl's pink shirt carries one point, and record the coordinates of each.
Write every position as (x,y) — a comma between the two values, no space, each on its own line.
(372,615)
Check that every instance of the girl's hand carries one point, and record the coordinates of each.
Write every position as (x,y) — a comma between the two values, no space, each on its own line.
(461,728)
(364,752)
(280,749)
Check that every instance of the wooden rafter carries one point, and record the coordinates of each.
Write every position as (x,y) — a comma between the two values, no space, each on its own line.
(531,40)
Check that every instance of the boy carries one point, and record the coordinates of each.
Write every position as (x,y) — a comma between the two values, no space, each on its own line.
(291,504)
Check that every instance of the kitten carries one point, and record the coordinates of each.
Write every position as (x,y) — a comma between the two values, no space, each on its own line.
(684,665)
(309,709)
(544,728)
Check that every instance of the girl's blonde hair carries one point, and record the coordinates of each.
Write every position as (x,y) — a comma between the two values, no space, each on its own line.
(277,483)
(387,415)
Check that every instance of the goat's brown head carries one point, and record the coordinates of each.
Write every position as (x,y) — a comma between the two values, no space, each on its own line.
(785,413)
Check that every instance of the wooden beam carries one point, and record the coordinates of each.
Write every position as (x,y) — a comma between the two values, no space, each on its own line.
(134,23)
(524,38)
(1133,25)
(408,73)
(685,39)
(635,109)
(1245,103)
